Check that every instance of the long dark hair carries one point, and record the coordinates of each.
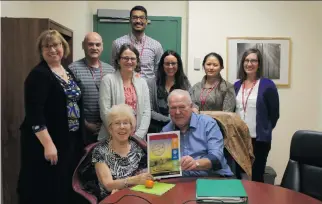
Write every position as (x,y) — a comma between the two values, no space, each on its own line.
(241,72)
(133,49)
(180,77)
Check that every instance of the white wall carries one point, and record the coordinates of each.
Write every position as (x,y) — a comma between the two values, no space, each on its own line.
(16,8)
(154,8)
(209,25)
(211,22)
(72,14)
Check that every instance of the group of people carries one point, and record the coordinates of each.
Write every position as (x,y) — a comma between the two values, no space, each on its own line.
(144,90)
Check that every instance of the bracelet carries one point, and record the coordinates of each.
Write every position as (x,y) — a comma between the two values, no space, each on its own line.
(126,183)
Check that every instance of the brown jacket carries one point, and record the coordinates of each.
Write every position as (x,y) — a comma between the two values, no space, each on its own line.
(237,139)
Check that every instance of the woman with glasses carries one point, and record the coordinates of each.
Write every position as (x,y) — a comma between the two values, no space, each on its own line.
(169,76)
(213,93)
(118,161)
(258,106)
(51,133)
(123,86)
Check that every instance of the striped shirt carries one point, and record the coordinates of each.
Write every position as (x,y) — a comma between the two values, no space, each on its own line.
(149,49)
(89,80)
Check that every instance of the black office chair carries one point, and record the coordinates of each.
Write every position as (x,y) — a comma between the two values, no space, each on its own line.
(304,169)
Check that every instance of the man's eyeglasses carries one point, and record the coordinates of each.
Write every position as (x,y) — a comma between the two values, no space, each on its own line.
(135,18)
(252,61)
(133,59)
(54,45)
(170,63)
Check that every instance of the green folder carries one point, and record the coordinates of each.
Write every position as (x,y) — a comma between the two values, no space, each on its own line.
(220,191)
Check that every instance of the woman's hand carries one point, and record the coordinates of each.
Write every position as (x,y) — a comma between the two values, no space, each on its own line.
(51,153)
(114,191)
(195,110)
(141,178)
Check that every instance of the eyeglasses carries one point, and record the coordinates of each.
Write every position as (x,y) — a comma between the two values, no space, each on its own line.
(170,63)
(54,45)
(181,108)
(119,124)
(252,61)
(133,59)
(135,18)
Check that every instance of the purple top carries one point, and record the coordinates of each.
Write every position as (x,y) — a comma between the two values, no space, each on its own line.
(267,108)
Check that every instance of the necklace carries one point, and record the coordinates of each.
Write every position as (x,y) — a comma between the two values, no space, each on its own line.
(59,74)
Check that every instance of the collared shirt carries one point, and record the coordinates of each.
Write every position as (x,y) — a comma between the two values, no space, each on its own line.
(149,49)
(89,79)
(203,139)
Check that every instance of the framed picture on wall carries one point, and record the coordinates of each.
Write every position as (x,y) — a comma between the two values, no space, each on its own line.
(276,54)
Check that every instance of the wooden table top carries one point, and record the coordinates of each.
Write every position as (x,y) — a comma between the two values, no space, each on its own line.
(185,190)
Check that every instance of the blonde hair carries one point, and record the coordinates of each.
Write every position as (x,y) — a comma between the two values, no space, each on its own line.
(120,110)
(50,36)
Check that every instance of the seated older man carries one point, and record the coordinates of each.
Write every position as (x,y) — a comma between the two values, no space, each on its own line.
(201,140)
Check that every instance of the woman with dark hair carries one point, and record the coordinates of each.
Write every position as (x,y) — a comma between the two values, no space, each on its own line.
(169,76)
(258,105)
(213,93)
(123,86)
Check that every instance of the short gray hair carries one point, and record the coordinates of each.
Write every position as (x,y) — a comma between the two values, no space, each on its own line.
(180,92)
(120,110)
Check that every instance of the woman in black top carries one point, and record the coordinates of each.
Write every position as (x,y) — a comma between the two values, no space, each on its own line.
(51,133)
(169,76)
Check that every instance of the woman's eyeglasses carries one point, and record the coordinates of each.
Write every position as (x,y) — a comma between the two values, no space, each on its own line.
(133,59)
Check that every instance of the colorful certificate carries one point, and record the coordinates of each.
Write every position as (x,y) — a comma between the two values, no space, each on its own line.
(164,154)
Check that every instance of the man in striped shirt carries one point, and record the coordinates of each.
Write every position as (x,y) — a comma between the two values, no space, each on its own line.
(89,72)
(150,50)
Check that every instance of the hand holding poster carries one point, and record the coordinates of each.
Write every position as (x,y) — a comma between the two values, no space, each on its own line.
(164,154)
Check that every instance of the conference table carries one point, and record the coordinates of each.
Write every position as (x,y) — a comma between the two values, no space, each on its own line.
(184,192)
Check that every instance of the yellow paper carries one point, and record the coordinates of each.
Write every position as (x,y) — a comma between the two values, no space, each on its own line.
(158,188)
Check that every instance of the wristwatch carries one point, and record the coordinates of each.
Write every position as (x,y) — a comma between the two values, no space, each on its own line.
(197,164)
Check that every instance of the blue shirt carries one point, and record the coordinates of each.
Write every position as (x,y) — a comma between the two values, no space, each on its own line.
(203,139)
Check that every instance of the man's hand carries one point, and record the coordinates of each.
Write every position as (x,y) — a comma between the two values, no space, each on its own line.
(93,127)
(188,163)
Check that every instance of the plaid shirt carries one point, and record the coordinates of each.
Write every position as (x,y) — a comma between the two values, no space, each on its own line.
(150,52)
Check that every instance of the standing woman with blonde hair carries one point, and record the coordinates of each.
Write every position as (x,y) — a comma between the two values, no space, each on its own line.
(51,133)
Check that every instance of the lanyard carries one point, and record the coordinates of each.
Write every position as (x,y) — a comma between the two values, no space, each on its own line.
(93,73)
(143,45)
(203,98)
(243,100)
(141,53)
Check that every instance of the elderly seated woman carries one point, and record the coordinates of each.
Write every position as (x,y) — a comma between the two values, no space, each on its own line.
(119,160)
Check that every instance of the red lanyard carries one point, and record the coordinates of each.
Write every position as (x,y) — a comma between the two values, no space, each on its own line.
(92,72)
(243,100)
(203,98)
(143,44)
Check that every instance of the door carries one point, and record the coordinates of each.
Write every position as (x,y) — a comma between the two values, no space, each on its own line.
(166,30)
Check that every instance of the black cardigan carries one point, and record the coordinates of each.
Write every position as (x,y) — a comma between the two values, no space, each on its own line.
(46,104)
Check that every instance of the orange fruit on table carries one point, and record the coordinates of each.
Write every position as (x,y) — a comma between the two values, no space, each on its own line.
(149,184)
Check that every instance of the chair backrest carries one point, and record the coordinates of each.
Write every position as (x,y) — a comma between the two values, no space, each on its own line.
(76,181)
(304,169)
